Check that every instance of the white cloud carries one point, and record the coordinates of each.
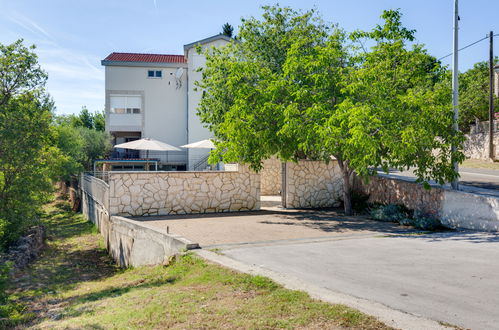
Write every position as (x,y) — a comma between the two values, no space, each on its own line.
(30,25)
(75,77)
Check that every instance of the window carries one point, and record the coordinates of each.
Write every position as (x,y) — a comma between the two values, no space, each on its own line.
(126,104)
(154,74)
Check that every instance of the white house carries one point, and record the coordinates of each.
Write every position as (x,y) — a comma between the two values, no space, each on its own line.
(153,96)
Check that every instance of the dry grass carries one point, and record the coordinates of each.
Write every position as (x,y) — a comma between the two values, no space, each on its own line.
(74,284)
(474,163)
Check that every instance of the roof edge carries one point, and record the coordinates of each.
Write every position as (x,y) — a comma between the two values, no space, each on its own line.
(145,64)
(206,40)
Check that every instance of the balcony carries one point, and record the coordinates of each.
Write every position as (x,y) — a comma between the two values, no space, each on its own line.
(126,159)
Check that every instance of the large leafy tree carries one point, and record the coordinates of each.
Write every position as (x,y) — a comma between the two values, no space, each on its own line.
(395,112)
(26,155)
(247,98)
(290,87)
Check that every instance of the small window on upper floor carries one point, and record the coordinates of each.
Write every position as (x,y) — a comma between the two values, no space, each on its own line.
(154,74)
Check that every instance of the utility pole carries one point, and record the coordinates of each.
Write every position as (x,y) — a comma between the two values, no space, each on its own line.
(491,96)
(455,85)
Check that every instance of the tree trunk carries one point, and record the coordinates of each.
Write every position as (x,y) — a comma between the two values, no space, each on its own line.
(347,193)
(347,187)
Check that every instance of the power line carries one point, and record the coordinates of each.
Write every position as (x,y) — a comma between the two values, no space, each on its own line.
(460,49)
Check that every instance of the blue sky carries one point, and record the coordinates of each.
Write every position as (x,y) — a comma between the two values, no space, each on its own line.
(73,36)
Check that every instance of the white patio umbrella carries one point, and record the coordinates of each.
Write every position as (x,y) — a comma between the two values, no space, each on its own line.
(203,144)
(147,144)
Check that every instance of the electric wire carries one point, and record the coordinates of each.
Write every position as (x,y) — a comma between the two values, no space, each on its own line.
(460,49)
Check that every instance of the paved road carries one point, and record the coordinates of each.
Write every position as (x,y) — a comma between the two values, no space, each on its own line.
(474,177)
(481,178)
(449,277)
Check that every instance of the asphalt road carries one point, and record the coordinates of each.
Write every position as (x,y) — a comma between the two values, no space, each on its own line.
(449,277)
(481,178)
(473,177)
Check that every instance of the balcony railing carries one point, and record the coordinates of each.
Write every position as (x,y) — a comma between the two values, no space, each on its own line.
(165,157)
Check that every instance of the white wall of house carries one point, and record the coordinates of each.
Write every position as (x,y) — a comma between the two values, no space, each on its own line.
(196,130)
(164,106)
(167,113)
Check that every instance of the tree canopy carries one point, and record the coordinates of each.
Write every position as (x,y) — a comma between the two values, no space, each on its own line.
(474,95)
(292,86)
(37,147)
(227,30)
(26,155)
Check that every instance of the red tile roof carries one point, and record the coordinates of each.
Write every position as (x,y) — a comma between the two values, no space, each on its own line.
(149,58)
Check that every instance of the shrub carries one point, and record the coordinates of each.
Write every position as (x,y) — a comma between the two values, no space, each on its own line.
(405,217)
(390,213)
(425,221)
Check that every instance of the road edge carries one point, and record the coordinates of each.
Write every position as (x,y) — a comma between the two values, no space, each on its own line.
(389,316)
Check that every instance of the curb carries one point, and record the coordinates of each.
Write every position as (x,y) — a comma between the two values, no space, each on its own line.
(391,317)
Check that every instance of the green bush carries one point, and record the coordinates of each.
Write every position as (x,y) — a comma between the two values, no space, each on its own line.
(389,213)
(425,221)
(405,217)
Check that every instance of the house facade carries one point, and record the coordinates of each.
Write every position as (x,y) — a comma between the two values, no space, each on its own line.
(154,96)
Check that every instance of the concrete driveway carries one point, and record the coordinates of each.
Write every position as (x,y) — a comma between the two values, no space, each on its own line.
(270,226)
(449,277)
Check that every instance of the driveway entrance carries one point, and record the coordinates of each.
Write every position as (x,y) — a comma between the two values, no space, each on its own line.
(449,277)
(272,225)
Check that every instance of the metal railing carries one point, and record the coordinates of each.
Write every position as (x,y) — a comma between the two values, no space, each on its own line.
(95,187)
(165,157)
(201,164)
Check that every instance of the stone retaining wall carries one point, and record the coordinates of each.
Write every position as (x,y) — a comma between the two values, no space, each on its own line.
(478,210)
(132,243)
(385,190)
(312,184)
(25,249)
(476,146)
(163,193)
(271,177)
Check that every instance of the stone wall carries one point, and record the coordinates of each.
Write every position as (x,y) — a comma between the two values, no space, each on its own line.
(476,146)
(163,193)
(312,184)
(386,190)
(476,210)
(270,177)
(25,249)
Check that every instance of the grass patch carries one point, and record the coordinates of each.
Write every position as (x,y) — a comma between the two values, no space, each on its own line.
(475,163)
(74,284)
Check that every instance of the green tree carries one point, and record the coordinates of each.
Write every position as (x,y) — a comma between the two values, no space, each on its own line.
(291,88)
(99,121)
(227,30)
(80,146)
(19,71)
(245,92)
(396,112)
(26,155)
(84,118)
(474,95)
